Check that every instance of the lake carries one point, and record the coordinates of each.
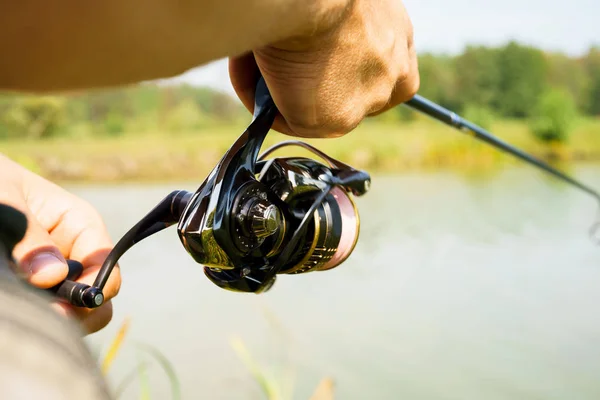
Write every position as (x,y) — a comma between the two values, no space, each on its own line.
(480,286)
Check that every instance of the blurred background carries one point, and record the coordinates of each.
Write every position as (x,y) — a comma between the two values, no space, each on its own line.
(474,277)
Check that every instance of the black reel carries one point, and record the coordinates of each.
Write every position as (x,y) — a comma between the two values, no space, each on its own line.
(252,218)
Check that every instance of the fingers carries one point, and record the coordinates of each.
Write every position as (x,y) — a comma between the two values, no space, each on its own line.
(60,225)
(83,236)
(80,235)
(325,85)
(41,262)
(97,318)
(92,321)
(406,86)
(244,74)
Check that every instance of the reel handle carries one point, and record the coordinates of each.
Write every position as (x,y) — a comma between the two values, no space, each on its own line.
(163,215)
(76,293)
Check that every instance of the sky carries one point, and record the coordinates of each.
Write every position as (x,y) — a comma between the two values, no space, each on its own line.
(570,26)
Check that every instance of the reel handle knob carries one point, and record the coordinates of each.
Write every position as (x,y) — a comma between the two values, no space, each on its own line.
(76,293)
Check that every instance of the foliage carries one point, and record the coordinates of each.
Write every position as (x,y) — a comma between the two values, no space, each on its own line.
(141,369)
(115,346)
(522,79)
(32,117)
(270,386)
(509,80)
(570,74)
(592,67)
(478,75)
(554,116)
(113,112)
(438,80)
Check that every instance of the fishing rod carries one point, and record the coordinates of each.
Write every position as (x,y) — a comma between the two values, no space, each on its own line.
(434,110)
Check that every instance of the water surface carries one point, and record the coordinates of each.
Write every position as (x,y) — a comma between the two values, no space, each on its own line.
(461,287)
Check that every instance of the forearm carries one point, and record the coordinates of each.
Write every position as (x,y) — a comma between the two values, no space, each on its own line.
(69,44)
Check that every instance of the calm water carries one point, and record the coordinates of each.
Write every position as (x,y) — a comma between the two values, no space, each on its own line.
(481,287)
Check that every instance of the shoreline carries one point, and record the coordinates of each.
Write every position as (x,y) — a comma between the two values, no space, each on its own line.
(379,148)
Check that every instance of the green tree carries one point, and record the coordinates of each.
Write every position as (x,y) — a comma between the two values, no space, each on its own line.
(523,72)
(438,81)
(569,74)
(554,116)
(33,117)
(478,75)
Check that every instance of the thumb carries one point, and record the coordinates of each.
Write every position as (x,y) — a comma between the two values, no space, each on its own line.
(40,260)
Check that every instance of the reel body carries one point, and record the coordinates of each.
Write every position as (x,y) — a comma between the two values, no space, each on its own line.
(252,218)
(241,250)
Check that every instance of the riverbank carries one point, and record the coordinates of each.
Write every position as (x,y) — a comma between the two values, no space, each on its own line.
(375,146)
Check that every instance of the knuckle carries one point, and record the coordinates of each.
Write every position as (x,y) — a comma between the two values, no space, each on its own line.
(410,34)
(408,82)
(403,69)
(348,119)
(415,84)
(328,124)
(374,67)
(89,210)
(381,100)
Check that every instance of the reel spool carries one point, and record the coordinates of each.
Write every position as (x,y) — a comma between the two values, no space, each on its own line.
(252,218)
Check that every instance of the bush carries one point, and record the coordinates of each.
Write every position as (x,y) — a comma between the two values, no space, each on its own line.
(33,117)
(554,116)
(114,124)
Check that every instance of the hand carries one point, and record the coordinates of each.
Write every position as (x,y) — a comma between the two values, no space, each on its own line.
(324,84)
(60,225)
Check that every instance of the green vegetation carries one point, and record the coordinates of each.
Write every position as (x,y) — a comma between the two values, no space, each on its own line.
(271,385)
(376,146)
(547,103)
(554,116)
(141,368)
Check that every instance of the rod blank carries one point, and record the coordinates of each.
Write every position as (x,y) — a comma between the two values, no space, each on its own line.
(448,117)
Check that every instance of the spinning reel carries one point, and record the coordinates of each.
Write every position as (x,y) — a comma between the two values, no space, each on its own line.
(252,218)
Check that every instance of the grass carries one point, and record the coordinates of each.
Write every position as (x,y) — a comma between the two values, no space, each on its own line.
(271,386)
(375,145)
(141,369)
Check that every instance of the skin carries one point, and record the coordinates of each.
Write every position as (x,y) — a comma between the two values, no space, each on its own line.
(60,225)
(329,64)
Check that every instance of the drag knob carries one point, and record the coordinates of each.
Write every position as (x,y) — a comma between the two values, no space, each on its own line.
(265,219)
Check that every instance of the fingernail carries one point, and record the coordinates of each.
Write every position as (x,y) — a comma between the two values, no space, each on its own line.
(47,264)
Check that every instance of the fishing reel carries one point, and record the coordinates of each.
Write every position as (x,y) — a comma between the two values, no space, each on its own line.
(252,218)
